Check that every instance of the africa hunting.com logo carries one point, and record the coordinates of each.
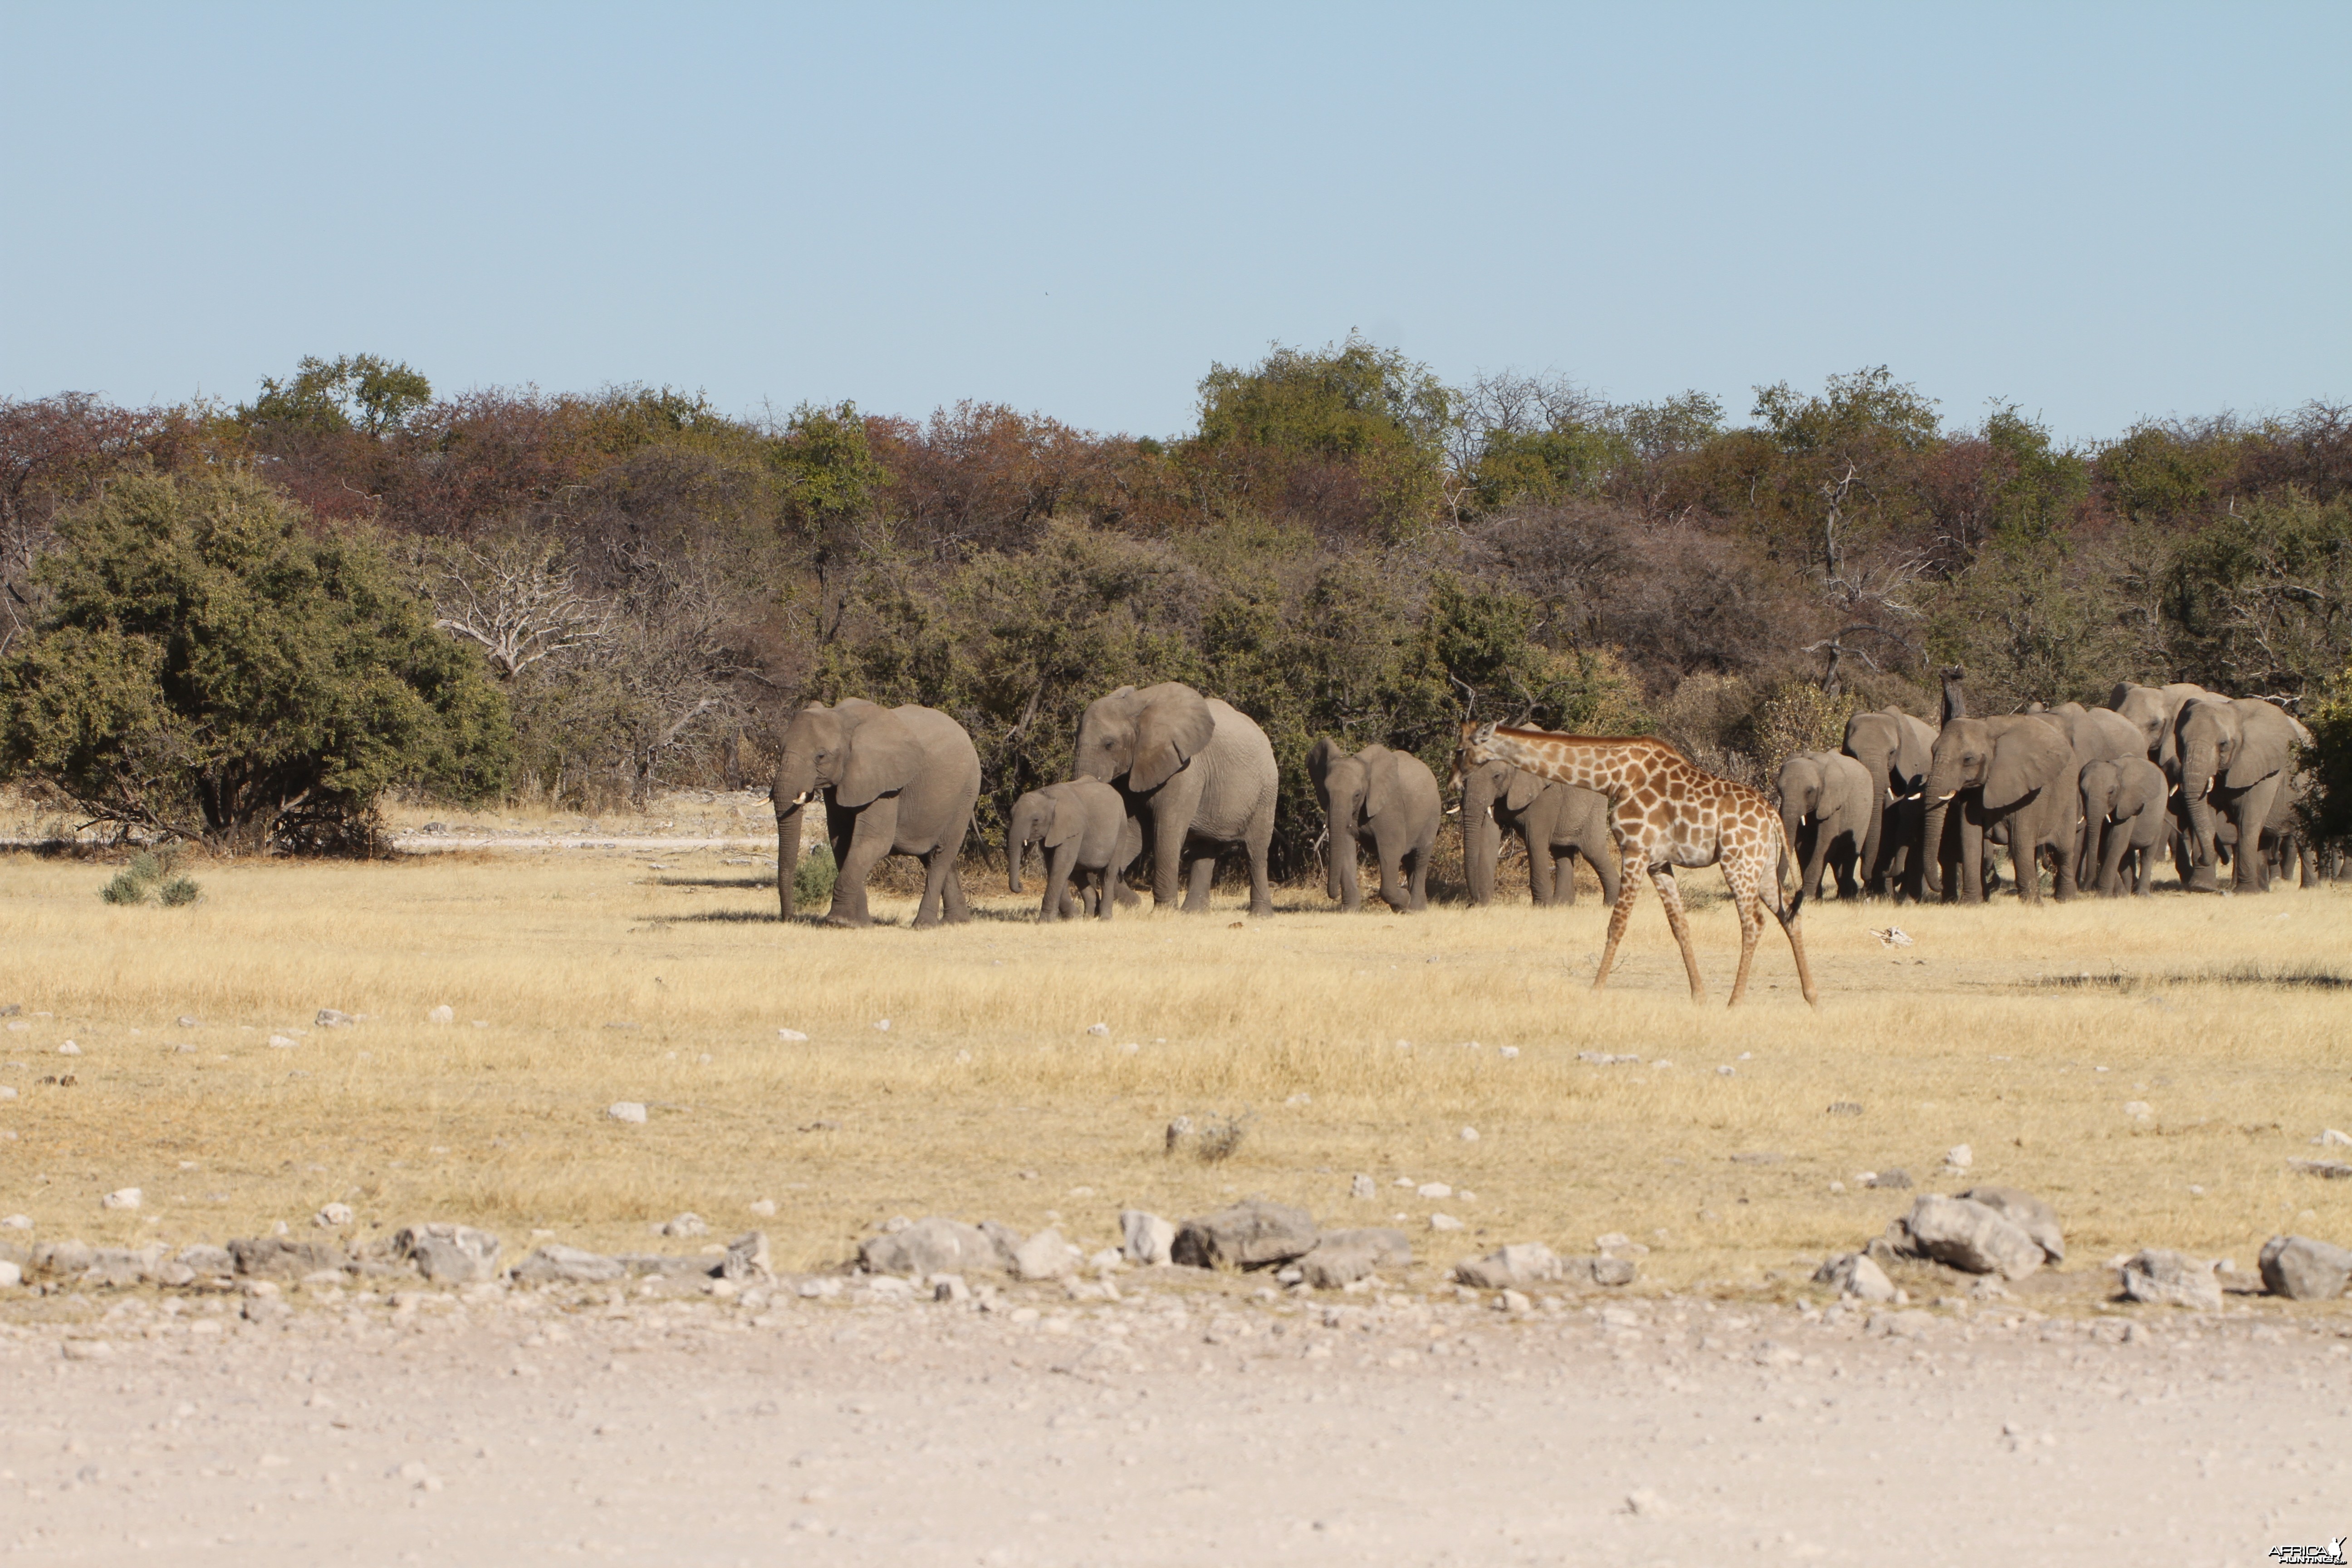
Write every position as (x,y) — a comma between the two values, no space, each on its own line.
(2332,1552)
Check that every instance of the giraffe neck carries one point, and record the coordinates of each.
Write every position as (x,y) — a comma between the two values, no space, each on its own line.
(1597,764)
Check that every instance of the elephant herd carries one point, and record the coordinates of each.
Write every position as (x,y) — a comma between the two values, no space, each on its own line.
(1167,775)
(2099,796)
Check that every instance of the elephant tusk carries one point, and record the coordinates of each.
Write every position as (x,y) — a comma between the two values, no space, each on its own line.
(1453,811)
(1946,799)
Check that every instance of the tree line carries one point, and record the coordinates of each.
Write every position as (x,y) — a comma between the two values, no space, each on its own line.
(244,623)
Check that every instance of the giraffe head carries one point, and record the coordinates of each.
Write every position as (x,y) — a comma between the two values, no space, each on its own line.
(1477,746)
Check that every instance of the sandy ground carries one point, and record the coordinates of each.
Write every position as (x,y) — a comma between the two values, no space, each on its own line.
(1177,1426)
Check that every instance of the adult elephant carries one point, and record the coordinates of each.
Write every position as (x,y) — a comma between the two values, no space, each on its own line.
(2154,710)
(1393,797)
(1892,747)
(2098,734)
(1556,821)
(1198,775)
(894,781)
(2235,755)
(2126,823)
(2014,780)
(1825,799)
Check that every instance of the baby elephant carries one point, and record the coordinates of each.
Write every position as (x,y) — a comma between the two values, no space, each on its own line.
(1391,794)
(1088,841)
(1825,815)
(2124,824)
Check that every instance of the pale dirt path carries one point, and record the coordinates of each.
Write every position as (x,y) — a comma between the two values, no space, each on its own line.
(1166,1429)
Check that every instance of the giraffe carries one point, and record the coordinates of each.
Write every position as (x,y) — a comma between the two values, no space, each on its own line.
(1664,812)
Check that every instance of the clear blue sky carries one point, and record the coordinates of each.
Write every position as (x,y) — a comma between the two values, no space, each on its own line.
(2100,212)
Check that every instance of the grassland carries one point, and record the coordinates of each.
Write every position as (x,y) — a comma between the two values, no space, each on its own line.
(1343,1039)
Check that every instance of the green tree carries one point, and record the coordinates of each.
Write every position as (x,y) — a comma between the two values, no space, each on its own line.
(2260,603)
(207,669)
(354,392)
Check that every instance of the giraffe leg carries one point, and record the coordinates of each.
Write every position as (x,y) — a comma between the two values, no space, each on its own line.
(1663,878)
(1749,901)
(1629,888)
(1793,924)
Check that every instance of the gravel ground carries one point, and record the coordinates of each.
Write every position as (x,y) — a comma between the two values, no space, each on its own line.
(653,1422)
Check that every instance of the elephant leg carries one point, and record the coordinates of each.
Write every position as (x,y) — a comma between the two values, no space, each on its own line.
(955,908)
(1817,849)
(1563,875)
(1417,888)
(1167,853)
(1258,838)
(1629,888)
(873,830)
(1663,878)
(1058,861)
(1843,857)
(1608,869)
(1973,849)
(1346,876)
(1104,903)
(1204,871)
(1543,872)
(1391,856)
(788,856)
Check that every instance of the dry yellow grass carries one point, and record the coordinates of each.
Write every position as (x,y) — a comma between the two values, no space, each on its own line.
(986,1098)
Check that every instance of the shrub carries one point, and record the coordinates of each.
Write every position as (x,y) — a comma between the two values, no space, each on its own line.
(812,877)
(150,874)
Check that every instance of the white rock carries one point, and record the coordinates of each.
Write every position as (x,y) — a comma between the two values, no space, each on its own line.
(882,1024)
(1149,1240)
(1098,1028)
(764,1207)
(1469,1135)
(2137,1107)
(1443,1221)
(2330,1136)
(1361,1186)
(1646,1503)
(11,1275)
(68,1049)
(1433,1189)
(1513,1301)
(1044,1255)
(1856,1275)
(792,1035)
(1960,1156)
(186,1022)
(1105,1259)
(444,1014)
(950,1288)
(1510,1053)
(1724,1072)
(280,1043)
(332,1215)
(683,1225)
(6,1093)
(332,1018)
(1614,1238)
(625,1110)
(123,1198)
(17,1222)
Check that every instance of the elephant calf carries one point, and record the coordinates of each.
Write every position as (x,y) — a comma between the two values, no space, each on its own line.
(2125,823)
(1394,795)
(1083,827)
(1825,813)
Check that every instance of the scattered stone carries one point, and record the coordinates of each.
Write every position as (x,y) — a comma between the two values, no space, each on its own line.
(1443,1221)
(449,1253)
(1897,1179)
(1513,1301)
(2028,1213)
(1604,1058)
(936,1245)
(280,1043)
(683,1226)
(1509,1053)
(2168,1279)
(332,1215)
(1178,1131)
(214,1262)
(1098,1028)
(274,1257)
(1910,1324)
(882,1024)
(764,1207)
(1360,1186)
(2303,1269)
(1107,1261)
(1972,1237)
(625,1110)
(1469,1135)
(64,1259)
(1854,1274)
(11,1275)
(1757,1158)
(2331,1169)
(1724,1071)
(2138,1109)
(1959,1157)
(121,1198)
(17,1222)
(950,1288)
(1343,1257)
(121,1268)
(1044,1255)
(1845,1108)
(791,1036)
(329,1018)
(1524,1263)
(1608,1272)
(69,1049)
(747,1259)
(186,1022)
(1433,1189)
(1646,1504)
(1250,1235)
(1148,1238)
(2331,1138)
(444,1014)
(557,1265)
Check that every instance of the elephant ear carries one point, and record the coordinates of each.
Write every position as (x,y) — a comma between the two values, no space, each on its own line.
(1169,733)
(2030,756)
(1525,787)
(2266,747)
(2137,790)
(884,755)
(1379,780)
(1065,820)
(1319,759)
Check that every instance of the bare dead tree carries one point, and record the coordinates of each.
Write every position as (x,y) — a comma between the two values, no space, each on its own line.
(1866,594)
(514,599)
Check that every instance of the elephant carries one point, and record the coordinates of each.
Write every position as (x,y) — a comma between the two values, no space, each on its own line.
(1893,747)
(2235,757)
(1198,774)
(2098,734)
(1082,825)
(1395,796)
(1825,799)
(1555,821)
(2016,780)
(894,781)
(2153,710)
(2125,819)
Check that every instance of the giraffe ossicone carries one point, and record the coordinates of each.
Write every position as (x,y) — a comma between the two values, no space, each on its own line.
(1664,812)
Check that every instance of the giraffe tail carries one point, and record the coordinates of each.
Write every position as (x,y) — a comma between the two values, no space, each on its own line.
(1788,886)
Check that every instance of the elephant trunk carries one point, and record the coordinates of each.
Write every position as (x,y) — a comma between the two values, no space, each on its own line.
(2196,793)
(1873,837)
(1016,849)
(788,851)
(1482,842)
